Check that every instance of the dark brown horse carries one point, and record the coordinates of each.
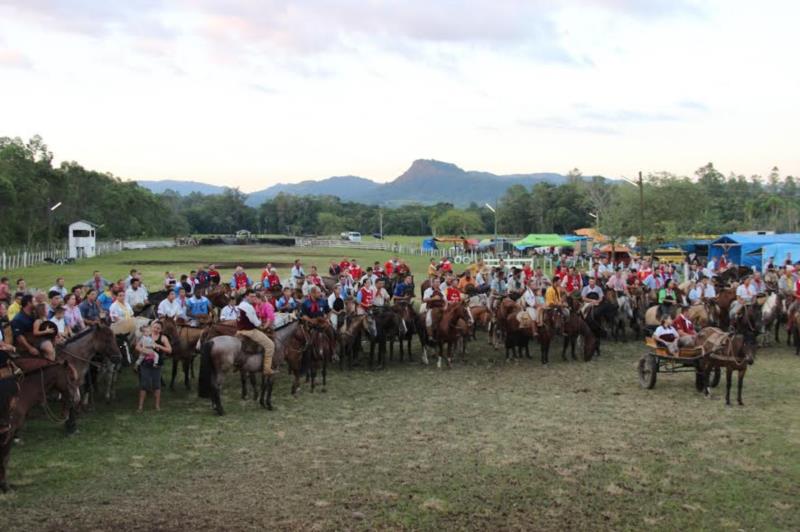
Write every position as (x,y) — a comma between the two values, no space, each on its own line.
(354,328)
(321,347)
(184,339)
(575,326)
(407,332)
(220,295)
(736,353)
(40,376)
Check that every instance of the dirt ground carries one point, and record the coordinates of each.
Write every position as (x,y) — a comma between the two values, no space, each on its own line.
(487,445)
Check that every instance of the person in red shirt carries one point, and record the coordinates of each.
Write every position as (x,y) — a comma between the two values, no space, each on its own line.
(388,267)
(365,296)
(314,277)
(446,266)
(344,266)
(528,272)
(687,336)
(273,278)
(355,270)
(452,294)
(265,272)
(377,269)
(573,281)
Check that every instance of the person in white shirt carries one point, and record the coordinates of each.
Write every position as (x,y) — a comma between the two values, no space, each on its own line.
(696,293)
(530,306)
(170,307)
(617,283)
(381,297)
(433,293)
(247,326)
(709,292)
(230,312)
(120,309)
(667,336)
(745,295)
(136,295)
(59,287)
(297,274)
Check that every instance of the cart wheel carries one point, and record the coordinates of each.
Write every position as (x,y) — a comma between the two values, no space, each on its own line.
(715,378)
(648,367)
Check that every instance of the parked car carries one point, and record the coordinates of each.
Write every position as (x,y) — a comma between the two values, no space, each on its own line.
(377,235)
(352,236)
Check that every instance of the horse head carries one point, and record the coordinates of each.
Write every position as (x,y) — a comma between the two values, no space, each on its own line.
(105,342)
(68,382)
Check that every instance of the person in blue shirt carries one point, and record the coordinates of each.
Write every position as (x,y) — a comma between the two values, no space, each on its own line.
(404,289)
(314,306)
(286,303)
(198,308)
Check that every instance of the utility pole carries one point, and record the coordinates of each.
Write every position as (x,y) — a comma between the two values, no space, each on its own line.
(380,221)
(641,211)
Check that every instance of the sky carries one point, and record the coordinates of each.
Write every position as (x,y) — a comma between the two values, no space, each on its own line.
(252,93)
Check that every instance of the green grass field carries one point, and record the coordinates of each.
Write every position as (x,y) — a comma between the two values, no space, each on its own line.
(487,445)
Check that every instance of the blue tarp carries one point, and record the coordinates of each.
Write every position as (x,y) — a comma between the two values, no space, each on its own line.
(746,250)
(779,252)
(428,244)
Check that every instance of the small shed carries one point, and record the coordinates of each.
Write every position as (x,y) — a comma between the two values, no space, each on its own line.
(82,239)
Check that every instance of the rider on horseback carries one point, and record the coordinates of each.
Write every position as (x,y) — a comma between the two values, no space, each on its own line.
(666,299)
(591,295)
(432,298)
(247,326)
(745,295)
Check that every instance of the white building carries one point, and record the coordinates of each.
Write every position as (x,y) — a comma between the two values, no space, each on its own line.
(82,240)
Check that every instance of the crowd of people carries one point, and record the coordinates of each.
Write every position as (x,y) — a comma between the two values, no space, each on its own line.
(40,320)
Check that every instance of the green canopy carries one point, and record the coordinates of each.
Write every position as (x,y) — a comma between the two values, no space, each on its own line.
(543,241)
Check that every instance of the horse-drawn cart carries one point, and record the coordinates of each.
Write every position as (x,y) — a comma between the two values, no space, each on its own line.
(659,360)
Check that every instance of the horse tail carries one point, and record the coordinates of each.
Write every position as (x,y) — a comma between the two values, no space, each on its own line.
(204,378)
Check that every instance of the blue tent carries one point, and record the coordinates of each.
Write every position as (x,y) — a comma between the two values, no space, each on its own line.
(779,252)
(746,249)
(428,244)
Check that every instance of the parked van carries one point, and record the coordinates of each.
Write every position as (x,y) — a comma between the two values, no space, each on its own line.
(352,236)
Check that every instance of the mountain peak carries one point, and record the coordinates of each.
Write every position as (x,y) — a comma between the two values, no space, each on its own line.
(429,169)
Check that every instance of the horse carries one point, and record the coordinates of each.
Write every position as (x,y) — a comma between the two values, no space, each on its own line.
(184,339)
(734,353)
(223,353)
(723,301)
(350,337)
(40,377)
(388,326)
(82,351)
(220,295)
(770,316)
(478,308)
(622,314)
(447,332)
(575,326)
(405,311)
(321,346)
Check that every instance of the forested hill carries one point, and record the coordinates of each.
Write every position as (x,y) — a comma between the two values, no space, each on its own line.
(707,203)
(426,181)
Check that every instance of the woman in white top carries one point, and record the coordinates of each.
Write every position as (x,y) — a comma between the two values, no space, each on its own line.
(667,336)
(120,309)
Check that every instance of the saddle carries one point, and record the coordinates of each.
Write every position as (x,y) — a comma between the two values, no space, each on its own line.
(29,364)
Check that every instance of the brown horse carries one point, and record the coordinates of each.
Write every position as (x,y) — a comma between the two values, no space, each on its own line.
(321,345)
(354,328)
(184,339)
(735,353)
(406,333)
(447,332)
(220,295)
(575,326)
(92,352)
(40,376)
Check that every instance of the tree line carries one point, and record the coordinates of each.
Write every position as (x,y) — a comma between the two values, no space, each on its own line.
(674,206)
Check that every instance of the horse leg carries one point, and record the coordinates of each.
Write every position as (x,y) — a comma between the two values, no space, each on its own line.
(253,385)
(216,396)
(71,425)
(728,375)
(243,378)
(741,384)
(371,352)
(186,365)
(324,376)
(174,373)
(564,349)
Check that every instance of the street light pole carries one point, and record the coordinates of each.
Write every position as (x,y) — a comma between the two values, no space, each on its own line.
(641,210)
(494,211)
